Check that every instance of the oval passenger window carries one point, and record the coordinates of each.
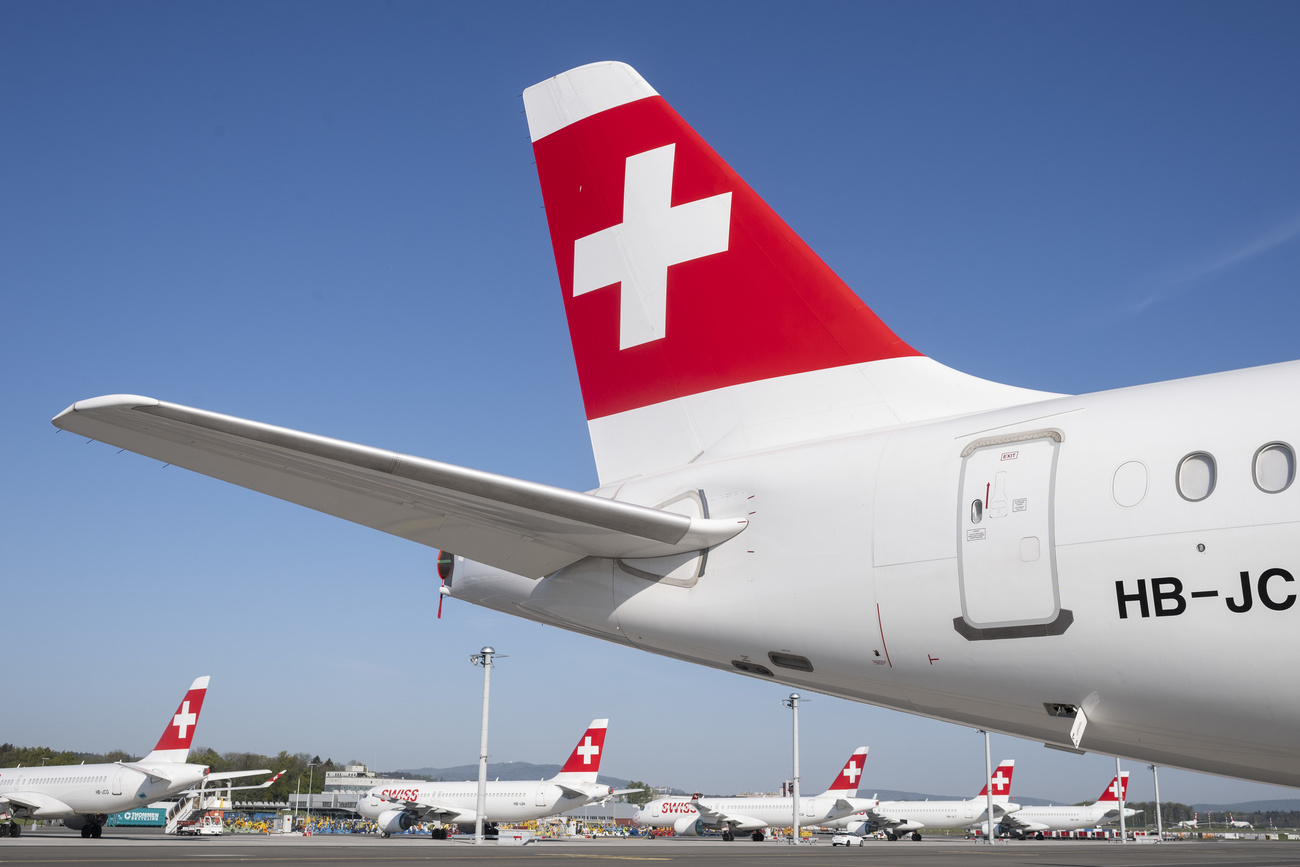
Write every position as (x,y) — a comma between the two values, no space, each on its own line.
(1196,476)
(1274,468)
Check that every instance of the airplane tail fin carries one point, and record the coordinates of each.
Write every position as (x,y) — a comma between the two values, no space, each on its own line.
(1001,781)
(845,784)
(1115,788)
(701,323)
(174,745)
(584,761)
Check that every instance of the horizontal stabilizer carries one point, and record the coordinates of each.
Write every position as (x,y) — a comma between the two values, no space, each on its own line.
(151,770)
(232,775)
(522,527)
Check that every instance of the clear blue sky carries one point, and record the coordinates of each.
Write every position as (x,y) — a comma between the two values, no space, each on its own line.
(324,215)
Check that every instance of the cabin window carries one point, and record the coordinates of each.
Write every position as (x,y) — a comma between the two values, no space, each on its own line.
(1129,486)
(1274,468)
(1196,476)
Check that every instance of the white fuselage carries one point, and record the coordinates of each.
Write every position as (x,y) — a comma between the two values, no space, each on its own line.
(506,801)
(1032,819)
(71,790)
(765,812)
(900,817)
(1089,558)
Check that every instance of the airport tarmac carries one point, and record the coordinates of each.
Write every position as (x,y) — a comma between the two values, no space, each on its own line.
(151,849)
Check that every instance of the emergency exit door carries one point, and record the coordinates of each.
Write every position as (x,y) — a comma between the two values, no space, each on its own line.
(1006,561)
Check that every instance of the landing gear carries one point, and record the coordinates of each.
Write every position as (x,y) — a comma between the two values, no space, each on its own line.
(916,836)
(10,829)
(757,837)
(439,833)
(727,836)
(85,831)
(893,838)
(1038,836)
(383,834)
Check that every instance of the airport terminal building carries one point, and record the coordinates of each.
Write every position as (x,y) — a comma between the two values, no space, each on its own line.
(342,790)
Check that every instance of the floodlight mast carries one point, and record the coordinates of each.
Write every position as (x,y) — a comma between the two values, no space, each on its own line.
(988,786)
(793,703)
(1160,825)
(1119,796)
(484,658)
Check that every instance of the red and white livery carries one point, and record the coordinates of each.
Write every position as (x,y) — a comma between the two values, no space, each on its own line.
(771,455)
(455,803)
(689,817)
(1033,821)
(83,795)
(907,818)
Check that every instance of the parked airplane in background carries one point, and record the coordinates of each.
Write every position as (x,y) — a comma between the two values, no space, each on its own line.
(455,803)
(83,795)
(1190,824)
(754,423)
(1033,821)
(903,818)
(689,817)
(1238,823)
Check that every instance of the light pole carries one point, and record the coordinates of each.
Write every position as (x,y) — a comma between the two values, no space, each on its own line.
(311,768)
(484,658)
(1119,790)
(988,786)
(793,703)
(1160,825)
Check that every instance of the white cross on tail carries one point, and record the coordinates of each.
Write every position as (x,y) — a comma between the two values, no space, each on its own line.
(653,235)
(587,749)
(184,719)
(1000,782)
(852,773)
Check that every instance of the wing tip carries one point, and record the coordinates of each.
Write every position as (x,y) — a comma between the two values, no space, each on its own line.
(107,401)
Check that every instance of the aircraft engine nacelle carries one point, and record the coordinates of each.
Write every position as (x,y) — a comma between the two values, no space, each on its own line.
(395,821)
(688,826)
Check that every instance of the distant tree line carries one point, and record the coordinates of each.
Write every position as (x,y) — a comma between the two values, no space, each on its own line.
(12,756)
(299,775)
(1172,812)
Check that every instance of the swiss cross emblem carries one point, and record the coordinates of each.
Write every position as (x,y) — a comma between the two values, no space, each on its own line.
(587,749)
(184,719)
(852,772)
(1001,782)
(1115,788)
(654,235)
